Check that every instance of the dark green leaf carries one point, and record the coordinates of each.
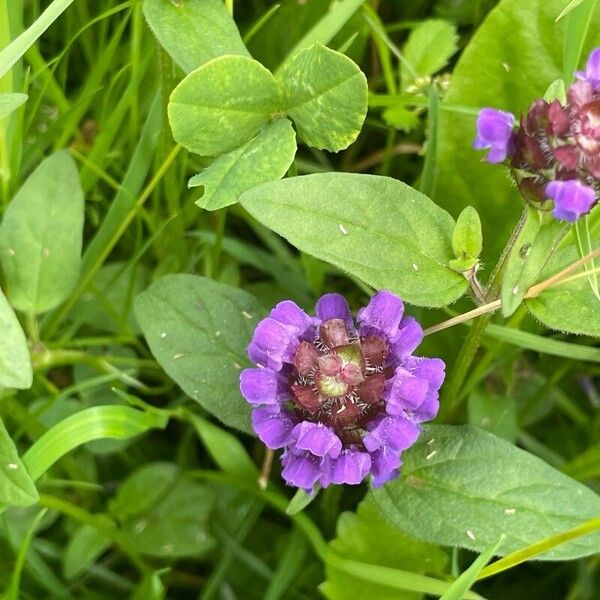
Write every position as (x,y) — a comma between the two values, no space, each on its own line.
(376,228)
(467,487)
(198,331)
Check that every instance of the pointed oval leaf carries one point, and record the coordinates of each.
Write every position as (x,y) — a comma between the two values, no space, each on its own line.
(461,486)
(41,236)
(212,110)
(325,93)
(16,485)
(15,362)
(195,31)
(376,228)
(266,157)
(198,331)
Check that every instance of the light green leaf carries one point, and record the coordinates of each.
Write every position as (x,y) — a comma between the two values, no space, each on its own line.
(325,93)
(16,485)
(536,242)
(300,501)
(571,306)
(366,536)
(194,31)
(376,228)
(466,237)
(467,487)
(41,236)
(225,449)
(163,513)
(264,158)
(198,330)
(494,413)
(584,245)
(212,111)
(428,49)
(556,91)
(150,588)
(463,584)
(10,102)
(85,546)
(15,362)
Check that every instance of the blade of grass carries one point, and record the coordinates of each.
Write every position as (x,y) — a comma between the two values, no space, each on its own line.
(578,23)
(17,48)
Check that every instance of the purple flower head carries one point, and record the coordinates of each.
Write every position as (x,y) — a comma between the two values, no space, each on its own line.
(343,399)
(592,70)
(495,132)
(572,199)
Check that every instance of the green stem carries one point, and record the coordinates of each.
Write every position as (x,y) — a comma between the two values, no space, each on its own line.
(451,397)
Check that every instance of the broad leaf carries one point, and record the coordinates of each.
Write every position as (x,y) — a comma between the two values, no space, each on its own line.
(211,111)
(198,330)
(367,537)
(85,546)
(264,158)
(41,236)
(10,102)
(428,49)
(15,362)
(535,244)
(16,486)
(571,306)
(376,228)
(163,513)
(461,486)
(510,61)
(195,31)
(325,93)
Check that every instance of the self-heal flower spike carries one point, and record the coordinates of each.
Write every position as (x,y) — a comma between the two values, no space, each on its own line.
(495,132)
(572,199)
(343,398)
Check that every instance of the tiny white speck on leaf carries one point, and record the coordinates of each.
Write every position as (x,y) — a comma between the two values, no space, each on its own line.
(237,366)
(431,441)
(10,252)
(343,229)
(431,455)
(510,511)
(515,290)
(246,314)
(415,267)
(217,333)
(163,335)
(46,252)
(506,67)
(178,356)
(13,466)
(470,535)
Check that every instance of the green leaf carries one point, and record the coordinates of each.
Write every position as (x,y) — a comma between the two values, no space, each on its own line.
(467,487)
(15,362)
(225,449)
(494,413)
(113,422)
(198,330)
(534,245)
(463,584)
(375,228)
(367,537)
(571,306)
(41,236)
(300,501)
(211,110)
(556,91)
(584,245)
(466,237)
(428,49)
(264,158)
(85,546)
(568,8)
(194,31)
(10,102)
(509,62)
(151,588)
(163,513)
(576,30)
(16,485)
(325,93)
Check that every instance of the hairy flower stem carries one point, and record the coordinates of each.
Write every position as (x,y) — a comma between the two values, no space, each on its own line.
(451,399)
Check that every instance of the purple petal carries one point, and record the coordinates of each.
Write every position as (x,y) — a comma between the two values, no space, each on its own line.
(302,470)
(428,409)
(431,369)
(289,313)
(317,439)
(385,466)
(351,467)
(261,386)
(273,344)
(382,314)
(406,393)
(572,199)
(408,338)
(592,70)
(495,131)
(334,306)
(391,432)
(273,428)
